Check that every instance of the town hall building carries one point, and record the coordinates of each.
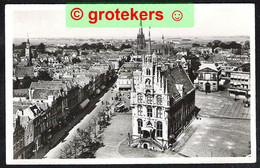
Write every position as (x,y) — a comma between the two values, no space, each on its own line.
(162,102)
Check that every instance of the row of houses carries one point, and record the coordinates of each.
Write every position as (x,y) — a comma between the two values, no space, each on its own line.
(46,106)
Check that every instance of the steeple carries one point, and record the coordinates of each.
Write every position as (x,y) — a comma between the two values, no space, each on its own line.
(28,38)
(163,39)
(28,51)
(140,38)
(141,27)
(149,43)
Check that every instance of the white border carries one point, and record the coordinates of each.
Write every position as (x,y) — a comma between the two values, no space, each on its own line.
(9,108)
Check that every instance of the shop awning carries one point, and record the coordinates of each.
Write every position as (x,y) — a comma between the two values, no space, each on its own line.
(97,91)
(84,104)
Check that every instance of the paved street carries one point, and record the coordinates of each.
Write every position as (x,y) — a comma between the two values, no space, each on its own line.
(54,153)
(205,137)
(218,138)
(58,136)
(114,135)
(220,105)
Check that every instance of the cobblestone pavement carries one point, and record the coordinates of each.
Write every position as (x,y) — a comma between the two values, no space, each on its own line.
(114,135)
(215,137)
(117,132)
(220,105)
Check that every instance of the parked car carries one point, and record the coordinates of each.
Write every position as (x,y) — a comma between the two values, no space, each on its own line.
(121,109)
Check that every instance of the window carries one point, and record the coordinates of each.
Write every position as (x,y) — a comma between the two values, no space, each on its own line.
(148,71)
(207,76)
(149,99)
(148,82)
(201,76)
(149,111)
(140,124)
(214,76)
(139,110)
(159,129)
(159,112)
(139,98)
(159,100)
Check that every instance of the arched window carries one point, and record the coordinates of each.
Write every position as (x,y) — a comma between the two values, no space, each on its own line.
(148,81)
(148,71)
(140,124)
(149,111)
(159,100)
(149,99)
(159,112)
(159,129)
(139,98)
(148,92)
(139,110)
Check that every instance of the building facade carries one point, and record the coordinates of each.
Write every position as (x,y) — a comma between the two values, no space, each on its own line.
(240,83)
(208,78)
(162,102)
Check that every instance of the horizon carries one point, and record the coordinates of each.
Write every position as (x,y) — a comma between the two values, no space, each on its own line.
(48,21)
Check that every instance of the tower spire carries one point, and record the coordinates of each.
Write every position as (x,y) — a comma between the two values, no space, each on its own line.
(149,43)
(27,37)
(141,27)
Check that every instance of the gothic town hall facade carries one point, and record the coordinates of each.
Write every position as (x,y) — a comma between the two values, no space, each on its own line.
(162,102)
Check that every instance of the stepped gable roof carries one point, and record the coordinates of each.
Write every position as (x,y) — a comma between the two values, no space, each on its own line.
(177,75)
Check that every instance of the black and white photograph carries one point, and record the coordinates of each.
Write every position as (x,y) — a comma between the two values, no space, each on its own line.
(130,95)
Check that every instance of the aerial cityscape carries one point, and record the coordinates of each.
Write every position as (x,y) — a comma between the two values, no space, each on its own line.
(131,98)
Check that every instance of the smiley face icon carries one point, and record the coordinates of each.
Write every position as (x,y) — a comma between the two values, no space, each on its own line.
(177,15)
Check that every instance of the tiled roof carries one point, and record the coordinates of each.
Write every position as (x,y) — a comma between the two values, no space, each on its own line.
(21,71)
(177,75)
(20,93)
(51,85)
(44,93)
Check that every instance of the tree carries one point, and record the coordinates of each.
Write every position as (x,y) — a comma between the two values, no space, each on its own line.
(85,46)
(41,47)
(44,75)
(195,45)
(76,60)
(81,146)
(123,46)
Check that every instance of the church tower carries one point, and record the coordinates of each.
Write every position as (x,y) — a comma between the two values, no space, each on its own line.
(163,47)
(28,52)
(140,38)
(148,65)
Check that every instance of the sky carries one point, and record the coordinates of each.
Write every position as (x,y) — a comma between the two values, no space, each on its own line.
(48,21)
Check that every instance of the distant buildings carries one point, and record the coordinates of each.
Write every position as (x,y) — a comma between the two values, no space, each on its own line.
(43,107)
(208,78)
(125,75)
(240,82)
